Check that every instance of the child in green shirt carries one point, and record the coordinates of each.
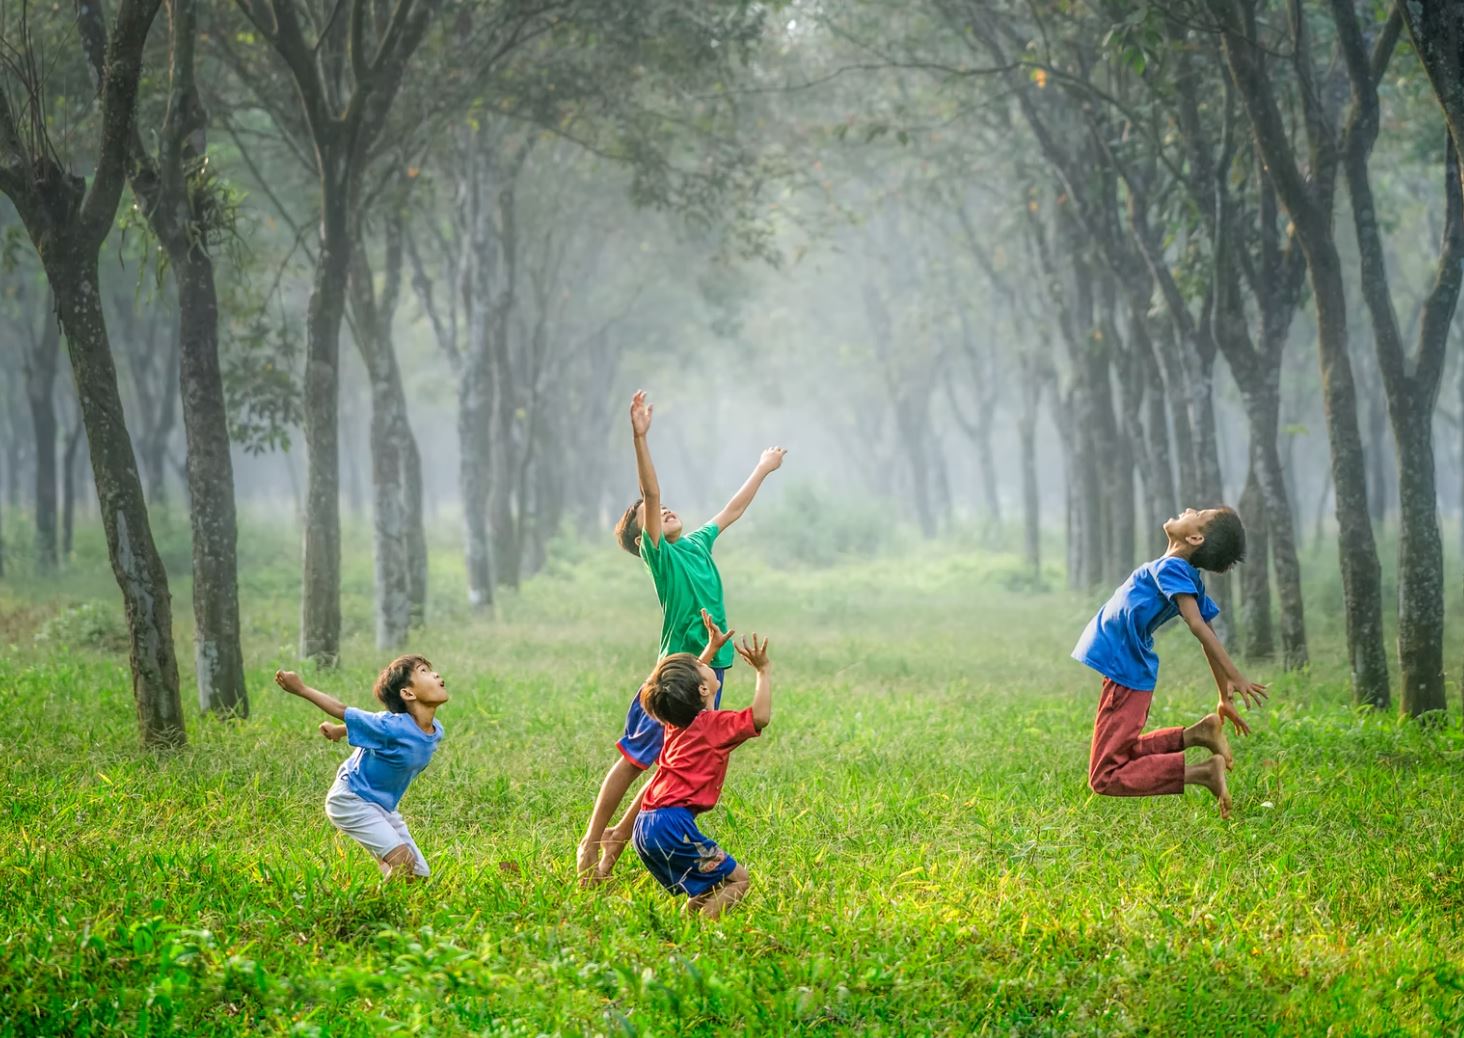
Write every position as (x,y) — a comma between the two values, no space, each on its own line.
(687,582)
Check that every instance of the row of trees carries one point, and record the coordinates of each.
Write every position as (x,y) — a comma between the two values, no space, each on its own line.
(1181,178)
(992,220)
(329,84)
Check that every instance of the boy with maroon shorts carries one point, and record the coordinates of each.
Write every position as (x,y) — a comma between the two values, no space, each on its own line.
(1119,644)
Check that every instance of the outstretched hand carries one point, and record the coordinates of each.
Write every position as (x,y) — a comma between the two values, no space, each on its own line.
(716,637)
(756,653)
(1251,693)
(1227,712)
(640,413)
(290,682)
(772,458)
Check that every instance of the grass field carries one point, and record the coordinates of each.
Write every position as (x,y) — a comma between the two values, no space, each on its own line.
(926,857)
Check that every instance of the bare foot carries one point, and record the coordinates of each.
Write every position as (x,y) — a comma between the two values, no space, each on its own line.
(586,857)
(611,848)
(1211,775)
(1209,732)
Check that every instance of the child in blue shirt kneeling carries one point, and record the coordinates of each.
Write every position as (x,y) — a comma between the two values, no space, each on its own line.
(392,748)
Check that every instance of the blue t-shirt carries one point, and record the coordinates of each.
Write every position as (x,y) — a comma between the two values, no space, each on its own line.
(391,750)
(1119,642)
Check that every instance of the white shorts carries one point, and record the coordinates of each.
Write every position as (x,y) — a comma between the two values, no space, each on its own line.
(372,826)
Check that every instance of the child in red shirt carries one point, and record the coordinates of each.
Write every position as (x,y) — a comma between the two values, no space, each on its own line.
(681,693)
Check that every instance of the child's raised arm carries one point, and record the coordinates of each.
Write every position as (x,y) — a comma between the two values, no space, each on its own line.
(756,655)
(1228,677)
(291,683)
(645,469)
(716,638)
(771,459)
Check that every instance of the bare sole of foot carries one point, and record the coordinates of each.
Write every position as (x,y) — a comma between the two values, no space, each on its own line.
(1213,738)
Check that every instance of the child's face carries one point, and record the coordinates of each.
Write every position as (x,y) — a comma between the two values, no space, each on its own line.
(708,685)
(426,687)
(1189,526)
(670,521)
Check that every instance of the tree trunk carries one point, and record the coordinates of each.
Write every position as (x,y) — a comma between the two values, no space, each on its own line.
(1420,568)
(40,384)
(218,656)
(135,560)
(1361,574)
(475,441)
(393,448)
(69,465)
(1255,578)
(320,602)
(1031,493)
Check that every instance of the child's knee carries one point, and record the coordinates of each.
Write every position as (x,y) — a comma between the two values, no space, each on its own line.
(739,877)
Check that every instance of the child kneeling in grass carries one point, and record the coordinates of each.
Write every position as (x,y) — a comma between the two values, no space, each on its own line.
(681,693)
(1118,643)
(392,748)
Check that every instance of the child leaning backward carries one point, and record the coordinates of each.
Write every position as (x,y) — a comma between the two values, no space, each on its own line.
(682,693)
(1118,643)
(687,582)
(392,748)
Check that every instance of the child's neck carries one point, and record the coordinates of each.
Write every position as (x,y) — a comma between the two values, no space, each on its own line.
(424,715)
(1180,550)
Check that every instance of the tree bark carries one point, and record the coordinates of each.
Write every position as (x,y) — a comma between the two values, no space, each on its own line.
(40,385)
(320,603)
(218,656)
(1255,578)
(135,560)
(394,456)
(68,486)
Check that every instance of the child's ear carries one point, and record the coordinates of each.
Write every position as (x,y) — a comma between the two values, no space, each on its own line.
(1195,539)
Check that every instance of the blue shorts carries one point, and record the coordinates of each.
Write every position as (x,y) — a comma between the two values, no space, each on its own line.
(641,742)
(683,859)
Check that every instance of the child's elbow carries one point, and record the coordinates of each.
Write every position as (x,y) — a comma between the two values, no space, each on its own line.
(762,720)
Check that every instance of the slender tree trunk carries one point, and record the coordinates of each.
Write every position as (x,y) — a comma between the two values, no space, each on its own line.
(475,442)
(1361,573)
(1031,494)
(416,534)
(1255,577)
(69,462)
(40,385)
(320,604)
(218,656)
(135,560)
(1420,568)
(392,449)
(507,560)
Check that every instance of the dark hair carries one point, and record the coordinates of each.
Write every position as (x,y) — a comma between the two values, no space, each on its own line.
(1224,543)
(396,676)
(672,694)
(628,530)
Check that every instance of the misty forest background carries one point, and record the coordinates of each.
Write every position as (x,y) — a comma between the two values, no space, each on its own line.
(321,318)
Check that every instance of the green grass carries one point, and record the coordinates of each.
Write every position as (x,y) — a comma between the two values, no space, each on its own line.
(925,854)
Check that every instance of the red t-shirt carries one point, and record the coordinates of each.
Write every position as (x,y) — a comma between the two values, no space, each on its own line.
(694,759)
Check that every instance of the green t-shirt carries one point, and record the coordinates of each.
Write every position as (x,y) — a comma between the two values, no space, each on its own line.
(687,582)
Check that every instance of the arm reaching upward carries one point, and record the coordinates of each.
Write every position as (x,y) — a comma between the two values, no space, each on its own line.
(756,655)
(771,459)
(291,683)
(645,469)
